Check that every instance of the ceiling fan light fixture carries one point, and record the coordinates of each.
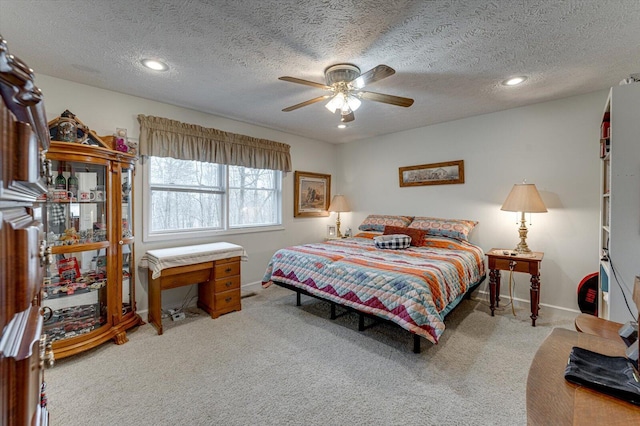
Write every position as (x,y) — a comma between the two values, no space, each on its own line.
(336,103)
(353,102)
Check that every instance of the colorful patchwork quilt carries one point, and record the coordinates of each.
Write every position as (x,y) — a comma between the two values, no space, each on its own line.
(413,287)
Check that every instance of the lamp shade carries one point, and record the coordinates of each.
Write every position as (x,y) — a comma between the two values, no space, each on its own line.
(524,197)
(339,204)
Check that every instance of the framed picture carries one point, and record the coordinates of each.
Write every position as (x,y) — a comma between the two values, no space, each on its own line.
(432,174)
(312,194)
(331,231)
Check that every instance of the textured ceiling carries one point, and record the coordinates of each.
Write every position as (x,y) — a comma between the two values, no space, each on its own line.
(225,57)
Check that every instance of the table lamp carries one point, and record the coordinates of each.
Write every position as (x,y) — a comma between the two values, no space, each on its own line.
(339,204)
(524,198)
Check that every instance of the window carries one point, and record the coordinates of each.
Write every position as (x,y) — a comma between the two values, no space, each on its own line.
(184,196)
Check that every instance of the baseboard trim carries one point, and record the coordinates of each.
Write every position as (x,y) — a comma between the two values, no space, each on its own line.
(244,288)
(257,285)
(528,302)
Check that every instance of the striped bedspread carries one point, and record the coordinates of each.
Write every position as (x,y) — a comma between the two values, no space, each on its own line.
(414,287)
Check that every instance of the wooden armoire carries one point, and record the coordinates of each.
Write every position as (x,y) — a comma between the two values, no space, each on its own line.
(24,138)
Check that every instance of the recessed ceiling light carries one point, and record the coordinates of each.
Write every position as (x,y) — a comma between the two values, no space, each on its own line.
(155,65)
(342,126)
(514,81)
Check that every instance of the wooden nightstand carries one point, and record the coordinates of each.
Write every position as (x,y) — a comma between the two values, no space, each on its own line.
(502,260)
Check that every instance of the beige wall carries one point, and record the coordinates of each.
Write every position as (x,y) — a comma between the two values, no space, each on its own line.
(553,145)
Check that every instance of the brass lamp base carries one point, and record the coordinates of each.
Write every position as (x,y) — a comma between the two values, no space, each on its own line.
(522,246)
(338,233)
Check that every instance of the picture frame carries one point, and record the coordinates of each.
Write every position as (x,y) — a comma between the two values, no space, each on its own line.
(448,172)
(331,231)
(312,194)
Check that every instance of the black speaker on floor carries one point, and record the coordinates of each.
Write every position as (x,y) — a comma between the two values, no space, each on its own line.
(588,294)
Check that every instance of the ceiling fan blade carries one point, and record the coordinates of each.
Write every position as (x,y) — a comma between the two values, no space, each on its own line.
(373,75)
(305,82)
(305,103)
(387,99)
(347,117)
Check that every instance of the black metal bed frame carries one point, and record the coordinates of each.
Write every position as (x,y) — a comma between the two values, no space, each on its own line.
(361,315)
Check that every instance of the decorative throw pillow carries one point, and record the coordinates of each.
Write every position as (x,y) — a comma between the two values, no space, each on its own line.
(451,228)
(368,234)
(417,235)
(393,242)
(377,222)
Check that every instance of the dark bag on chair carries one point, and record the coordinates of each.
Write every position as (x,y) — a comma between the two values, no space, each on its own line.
(613,375)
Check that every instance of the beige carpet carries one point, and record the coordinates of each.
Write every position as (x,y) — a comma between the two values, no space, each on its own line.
(275,363)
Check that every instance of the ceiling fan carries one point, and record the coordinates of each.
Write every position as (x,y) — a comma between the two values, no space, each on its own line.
(345,83)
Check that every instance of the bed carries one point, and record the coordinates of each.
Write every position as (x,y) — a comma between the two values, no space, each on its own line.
(413,287)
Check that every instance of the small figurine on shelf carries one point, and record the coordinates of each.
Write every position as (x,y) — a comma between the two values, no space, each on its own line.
(133,147)
(121,140)
(70,236)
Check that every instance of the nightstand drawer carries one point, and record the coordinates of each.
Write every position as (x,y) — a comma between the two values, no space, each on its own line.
(505,265)
(226,284)
(227,269)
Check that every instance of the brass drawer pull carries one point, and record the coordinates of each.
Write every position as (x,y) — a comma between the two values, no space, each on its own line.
(228,299)
(228,270)
(47,358)
(229,284)
(45,253)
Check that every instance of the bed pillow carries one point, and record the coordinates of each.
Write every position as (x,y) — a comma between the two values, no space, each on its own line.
(452,228)
(377,222)
(368,234)
(393,242)
(417,235)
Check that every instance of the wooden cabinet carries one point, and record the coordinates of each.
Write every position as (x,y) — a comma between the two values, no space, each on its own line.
(215,267)
(619,202)
(222,294)
(88,292)
(23,349)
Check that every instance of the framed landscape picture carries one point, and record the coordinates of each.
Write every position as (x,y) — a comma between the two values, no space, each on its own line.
(312,194)
(432,174)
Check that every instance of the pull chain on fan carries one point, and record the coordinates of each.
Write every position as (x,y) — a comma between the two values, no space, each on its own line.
(345,82)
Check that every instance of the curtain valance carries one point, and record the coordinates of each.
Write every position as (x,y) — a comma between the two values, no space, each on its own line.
(162,137)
